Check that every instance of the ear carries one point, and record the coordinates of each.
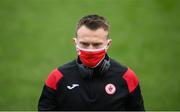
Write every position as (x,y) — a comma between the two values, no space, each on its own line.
(74,40)
(108,44)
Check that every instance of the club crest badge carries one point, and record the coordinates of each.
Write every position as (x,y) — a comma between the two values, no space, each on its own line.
(110,89)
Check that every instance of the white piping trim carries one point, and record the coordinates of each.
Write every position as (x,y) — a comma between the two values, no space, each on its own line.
(91,50)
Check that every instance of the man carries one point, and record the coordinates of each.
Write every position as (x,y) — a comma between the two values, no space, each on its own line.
(93,81)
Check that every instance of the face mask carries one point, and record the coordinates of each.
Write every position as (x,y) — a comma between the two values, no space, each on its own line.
(91,57)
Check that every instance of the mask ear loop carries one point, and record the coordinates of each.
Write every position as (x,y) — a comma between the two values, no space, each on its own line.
(76,46)
(107,46)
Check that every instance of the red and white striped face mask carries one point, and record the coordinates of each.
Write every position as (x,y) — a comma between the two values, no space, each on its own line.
(91,57)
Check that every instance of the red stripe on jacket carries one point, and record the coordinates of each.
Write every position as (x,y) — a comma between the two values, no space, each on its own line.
(131,80)
(53,79)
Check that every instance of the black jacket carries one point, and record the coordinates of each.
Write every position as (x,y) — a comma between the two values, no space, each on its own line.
(70,87)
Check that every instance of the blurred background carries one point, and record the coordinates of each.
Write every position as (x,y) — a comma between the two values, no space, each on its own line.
(36,37)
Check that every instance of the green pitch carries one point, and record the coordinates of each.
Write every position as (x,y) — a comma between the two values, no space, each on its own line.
(35,37)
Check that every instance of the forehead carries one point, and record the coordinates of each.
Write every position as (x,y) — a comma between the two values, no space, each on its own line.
(85,33)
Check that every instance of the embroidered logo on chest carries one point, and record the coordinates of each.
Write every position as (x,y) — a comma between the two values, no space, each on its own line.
(110,89)
(73,86)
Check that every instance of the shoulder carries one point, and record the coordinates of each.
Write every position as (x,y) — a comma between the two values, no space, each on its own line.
(126,73)
(57,74)
(131,79)
(53,79)
(68,67)
(117,67)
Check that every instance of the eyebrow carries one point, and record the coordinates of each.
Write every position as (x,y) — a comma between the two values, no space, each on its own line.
(97,43)
(94,43)
(81,42)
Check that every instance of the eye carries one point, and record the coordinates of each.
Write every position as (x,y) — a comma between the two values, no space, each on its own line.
(97,45)
(84,44)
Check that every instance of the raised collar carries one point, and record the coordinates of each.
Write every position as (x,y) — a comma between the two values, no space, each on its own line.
(93,72)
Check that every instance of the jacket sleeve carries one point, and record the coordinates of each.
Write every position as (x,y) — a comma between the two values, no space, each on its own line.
(134,100)
(47,99)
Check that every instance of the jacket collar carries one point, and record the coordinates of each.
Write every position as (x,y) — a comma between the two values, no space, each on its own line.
(93,72)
